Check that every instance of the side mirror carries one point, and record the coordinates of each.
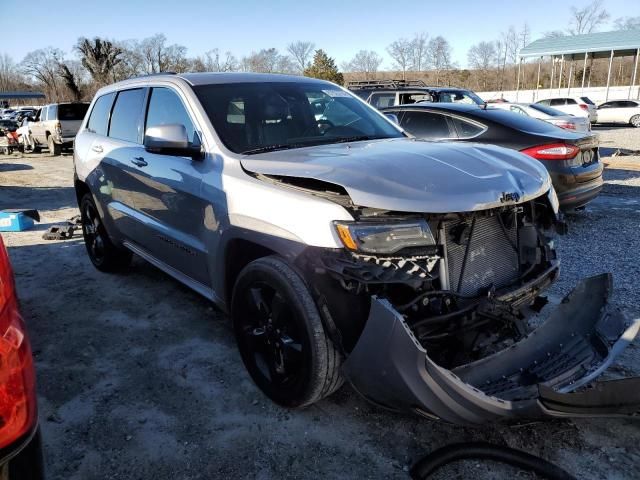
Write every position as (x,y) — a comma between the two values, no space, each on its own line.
(172,139)
(393,117)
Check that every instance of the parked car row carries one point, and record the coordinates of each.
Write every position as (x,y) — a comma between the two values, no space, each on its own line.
(17,114)
(53,127)
(346,248)
(622,112)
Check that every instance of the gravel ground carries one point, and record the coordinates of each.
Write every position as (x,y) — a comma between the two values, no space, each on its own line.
(139,377)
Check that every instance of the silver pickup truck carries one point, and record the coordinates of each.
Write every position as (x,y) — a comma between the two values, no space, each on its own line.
(56,125)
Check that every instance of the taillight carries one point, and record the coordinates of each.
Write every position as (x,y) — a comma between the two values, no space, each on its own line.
(566,125)
(584,106)
(553,151)
(17,376)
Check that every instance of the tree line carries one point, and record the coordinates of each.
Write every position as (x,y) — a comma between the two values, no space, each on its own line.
(492,65)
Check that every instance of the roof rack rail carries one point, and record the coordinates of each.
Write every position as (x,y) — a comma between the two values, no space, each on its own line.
(152,75)
(385,84)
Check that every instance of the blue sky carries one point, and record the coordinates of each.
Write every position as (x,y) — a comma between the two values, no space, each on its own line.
(340,27)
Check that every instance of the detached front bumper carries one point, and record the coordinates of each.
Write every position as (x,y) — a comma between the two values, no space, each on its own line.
(531,379)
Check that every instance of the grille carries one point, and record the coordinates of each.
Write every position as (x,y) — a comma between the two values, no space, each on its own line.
(491,261)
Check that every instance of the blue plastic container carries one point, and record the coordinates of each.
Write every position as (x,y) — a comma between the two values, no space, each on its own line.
(14,222)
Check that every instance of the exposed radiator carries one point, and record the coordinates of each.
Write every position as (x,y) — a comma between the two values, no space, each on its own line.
(492,259)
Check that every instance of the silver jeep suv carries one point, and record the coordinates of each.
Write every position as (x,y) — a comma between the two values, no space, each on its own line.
(345,250)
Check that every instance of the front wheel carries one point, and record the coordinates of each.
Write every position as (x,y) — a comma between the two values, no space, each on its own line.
(635,121)
(280,335)
(104,255)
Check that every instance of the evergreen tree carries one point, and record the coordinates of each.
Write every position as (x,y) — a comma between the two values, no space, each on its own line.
(324,67)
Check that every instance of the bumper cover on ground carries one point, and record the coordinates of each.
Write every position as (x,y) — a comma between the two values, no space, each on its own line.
(533,378)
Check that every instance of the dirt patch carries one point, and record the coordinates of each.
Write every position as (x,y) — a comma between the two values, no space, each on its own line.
(139,377)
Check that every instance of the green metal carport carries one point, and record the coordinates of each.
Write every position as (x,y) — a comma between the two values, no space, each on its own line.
(622,43)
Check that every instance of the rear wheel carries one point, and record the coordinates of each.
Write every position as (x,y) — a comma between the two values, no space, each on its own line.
(104,255)
(54,148)
(280,335)
(635,121)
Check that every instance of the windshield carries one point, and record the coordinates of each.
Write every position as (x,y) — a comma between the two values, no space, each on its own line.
(72,111)
(257,117)
(553,112)
(459,96)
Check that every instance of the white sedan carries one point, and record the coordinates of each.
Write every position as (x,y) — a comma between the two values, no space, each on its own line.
(620,111)
(548,114)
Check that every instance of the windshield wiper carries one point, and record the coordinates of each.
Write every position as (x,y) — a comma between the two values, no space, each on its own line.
(271,148)
(286,146)
(358,138)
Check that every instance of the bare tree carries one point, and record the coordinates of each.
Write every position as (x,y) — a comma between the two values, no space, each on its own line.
(267,60)
(365,62)
(301,53)
(627,23)
(100,57)
(132,62)
(158,57)
(588,19)
(42,66)
(401,52)
(482,56)
(213,61)
(439,55)
(419,52)
(10,75)
(554,34)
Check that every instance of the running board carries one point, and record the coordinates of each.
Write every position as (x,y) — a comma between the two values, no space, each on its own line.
(200,288)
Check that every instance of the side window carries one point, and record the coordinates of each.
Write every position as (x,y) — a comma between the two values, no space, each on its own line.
(571,101)
(607,105)
(408,98)
(383,100)
(468,129)
(52,112)
(165,107)
(557,102)
(99,118)
(544,102)
(515,109)
(126,115)
(426,125)
(43,114)
(626,104)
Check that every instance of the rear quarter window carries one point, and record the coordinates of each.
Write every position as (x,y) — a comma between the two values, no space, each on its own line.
(99,118)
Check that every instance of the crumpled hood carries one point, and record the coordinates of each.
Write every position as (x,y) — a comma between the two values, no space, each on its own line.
(413,176)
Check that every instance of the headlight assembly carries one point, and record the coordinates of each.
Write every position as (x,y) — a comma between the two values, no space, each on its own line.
(384,238)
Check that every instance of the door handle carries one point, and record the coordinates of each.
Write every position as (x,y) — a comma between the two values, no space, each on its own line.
(97,148)
(139,161)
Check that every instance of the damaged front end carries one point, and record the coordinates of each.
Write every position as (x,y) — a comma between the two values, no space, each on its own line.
(441,324)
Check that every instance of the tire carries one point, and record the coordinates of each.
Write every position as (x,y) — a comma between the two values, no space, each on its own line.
(635,121)
(104,255)
(55,149)
(280,335)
